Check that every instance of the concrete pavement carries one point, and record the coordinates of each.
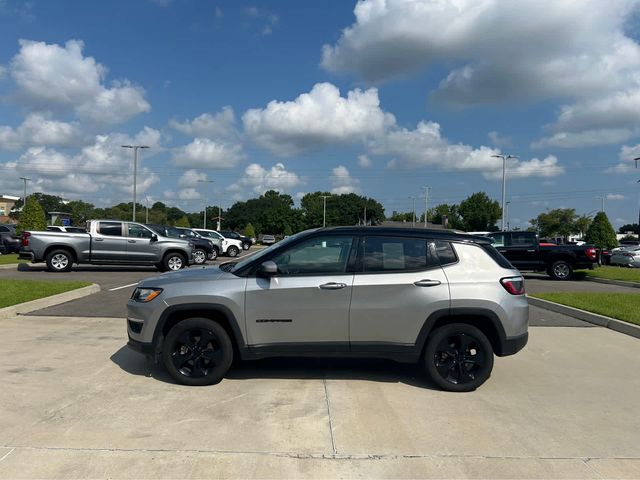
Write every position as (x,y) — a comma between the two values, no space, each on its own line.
(77,403)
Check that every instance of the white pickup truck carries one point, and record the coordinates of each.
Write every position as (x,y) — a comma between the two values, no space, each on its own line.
(107,242)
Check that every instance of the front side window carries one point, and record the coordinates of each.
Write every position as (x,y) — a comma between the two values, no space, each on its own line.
(111,229)
(138,231)
(393,254)
(319,255)
(498,239)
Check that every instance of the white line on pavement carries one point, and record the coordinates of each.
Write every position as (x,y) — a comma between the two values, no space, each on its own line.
(123,286)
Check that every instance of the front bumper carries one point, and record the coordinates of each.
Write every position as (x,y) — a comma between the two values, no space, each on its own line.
(141,347)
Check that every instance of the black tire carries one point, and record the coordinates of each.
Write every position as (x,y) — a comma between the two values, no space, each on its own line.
(197,352)
(458,357)
(173,261)
(199,256)
(246,245)
(59,261)
(233,251)
(214,254)
(560,270)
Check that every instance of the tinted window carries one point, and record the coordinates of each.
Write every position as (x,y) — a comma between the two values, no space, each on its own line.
(522,239)
(446,253)
(138,231)
(319,255)
(498,239)
(3,229)
(113,229)
(389,254)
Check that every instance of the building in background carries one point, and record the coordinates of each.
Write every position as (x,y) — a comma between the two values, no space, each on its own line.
(7,202)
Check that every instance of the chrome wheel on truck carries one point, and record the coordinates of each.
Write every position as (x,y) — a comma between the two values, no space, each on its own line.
(59,261)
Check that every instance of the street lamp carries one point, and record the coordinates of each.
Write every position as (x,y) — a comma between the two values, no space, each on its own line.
(414,210)
(602,198)
(507,213)
(204,216)
(146,203)
(135,172)
(504,182)
(426,204)
(324,210)
(636,160)
(24,199)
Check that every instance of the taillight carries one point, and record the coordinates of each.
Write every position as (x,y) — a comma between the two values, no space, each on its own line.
(25,239)
(592,253)
(513,285)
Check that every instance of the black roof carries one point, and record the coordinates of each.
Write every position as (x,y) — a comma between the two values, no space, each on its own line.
(411,232)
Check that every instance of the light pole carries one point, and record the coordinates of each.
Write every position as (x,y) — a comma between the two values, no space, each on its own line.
(504,182)
(135,172)
(24,198)
(324,210)
(636,160)
(426,204)
(146,203)
(414,210)
(602,198)
(507,214)
(204,215)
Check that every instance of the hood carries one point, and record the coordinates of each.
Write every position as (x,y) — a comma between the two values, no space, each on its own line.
(191,274)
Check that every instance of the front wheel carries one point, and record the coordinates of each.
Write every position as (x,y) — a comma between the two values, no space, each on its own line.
(246,246)
(59,261)
(233,251)
(458,357)
(560,270)
(173,262)
(197,352)
(214,254)
(199,256)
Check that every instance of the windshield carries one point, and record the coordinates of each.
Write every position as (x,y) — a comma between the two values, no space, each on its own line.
(266,251)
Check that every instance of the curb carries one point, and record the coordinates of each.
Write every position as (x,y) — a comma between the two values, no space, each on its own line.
(600,320)
(50,301)
(619,283)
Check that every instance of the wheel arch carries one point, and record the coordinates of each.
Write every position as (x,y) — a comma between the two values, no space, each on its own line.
(66,248)
(485,320)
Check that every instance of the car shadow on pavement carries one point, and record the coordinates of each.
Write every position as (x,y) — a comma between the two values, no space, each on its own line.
(41,267)
(375,370)
(577,276)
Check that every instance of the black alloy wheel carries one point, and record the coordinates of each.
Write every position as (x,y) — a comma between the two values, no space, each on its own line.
(459,357)
(197,351)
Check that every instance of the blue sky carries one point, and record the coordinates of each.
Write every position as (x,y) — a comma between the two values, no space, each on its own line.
(376,97)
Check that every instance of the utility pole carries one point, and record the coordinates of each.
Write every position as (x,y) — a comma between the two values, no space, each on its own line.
(602,198)
(146,203)
(135,172)
(426,204)
(219,215)
(504,183)
(636,160)
(324,210)
(365,214)
(24,198)
(507,214)
(204,215)
(414,211)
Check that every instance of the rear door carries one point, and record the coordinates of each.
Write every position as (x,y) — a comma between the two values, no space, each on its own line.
(108,244)
(398,285)
(523,250)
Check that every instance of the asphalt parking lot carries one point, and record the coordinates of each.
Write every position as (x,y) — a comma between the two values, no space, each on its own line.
(78,403)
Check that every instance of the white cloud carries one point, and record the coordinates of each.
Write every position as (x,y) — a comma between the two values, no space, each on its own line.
(258,180)
(191,178)
(316,119)
(587,138)
(615,196)
(547,167)
(53,77)
(627,164)
(189,194)
(364,161)
(342,181)
(3,72)
(205,153)
(499,140)
(269,19)
(39,129)
(220,125)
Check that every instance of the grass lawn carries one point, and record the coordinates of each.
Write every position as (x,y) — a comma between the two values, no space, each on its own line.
(615,273)
(13,292)
(10,258)
(623,306)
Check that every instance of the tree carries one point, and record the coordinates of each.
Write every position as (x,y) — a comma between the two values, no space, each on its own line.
(80,212)
(58,222)
(438,214)
(32,216)
(558,222)
(629,227)
(601,233)
(249,231)
(582,223)
(479,212)
(183,222)
(402,217)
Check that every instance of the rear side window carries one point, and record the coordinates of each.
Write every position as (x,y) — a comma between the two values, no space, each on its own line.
(396,254)
(112,229)
(496,255)
(445,252)
(3,229)
(521,239)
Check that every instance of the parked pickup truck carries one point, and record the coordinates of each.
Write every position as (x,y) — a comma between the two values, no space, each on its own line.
(524,251)
(108,242)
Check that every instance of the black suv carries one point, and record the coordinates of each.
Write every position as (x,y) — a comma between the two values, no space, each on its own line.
(9,241)
(246,241)
(203,249)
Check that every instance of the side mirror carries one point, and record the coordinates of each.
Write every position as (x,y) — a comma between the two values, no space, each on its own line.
(154,237)
(182,235)
(268,268)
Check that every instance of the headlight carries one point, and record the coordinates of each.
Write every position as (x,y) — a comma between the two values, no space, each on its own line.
(144,295)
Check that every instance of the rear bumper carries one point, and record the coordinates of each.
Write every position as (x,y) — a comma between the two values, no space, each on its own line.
(584,265)
(513,345)
(26,255)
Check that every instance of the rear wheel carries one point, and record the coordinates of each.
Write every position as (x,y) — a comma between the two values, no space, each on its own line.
(233,251)
(560,270)
(199,256)
(214,254)
(197,352)
(246,245)
(173,262)
(458,357)
(59,261)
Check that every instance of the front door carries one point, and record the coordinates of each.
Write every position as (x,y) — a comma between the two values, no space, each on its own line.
(140,246)
(306,305)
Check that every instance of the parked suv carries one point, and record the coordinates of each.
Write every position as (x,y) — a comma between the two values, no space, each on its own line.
(9,241)
(448,300)
(230,246)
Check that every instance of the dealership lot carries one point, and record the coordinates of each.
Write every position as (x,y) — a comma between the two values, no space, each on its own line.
(77,402)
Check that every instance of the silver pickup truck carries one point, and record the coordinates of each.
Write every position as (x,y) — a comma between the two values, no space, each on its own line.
(108,242)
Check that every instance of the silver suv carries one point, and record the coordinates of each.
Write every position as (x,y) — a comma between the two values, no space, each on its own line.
(448,300)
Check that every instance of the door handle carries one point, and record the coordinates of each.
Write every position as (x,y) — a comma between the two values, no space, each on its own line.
(131,241)
(99,239)
(531,251)
(427,283)
(333,286)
